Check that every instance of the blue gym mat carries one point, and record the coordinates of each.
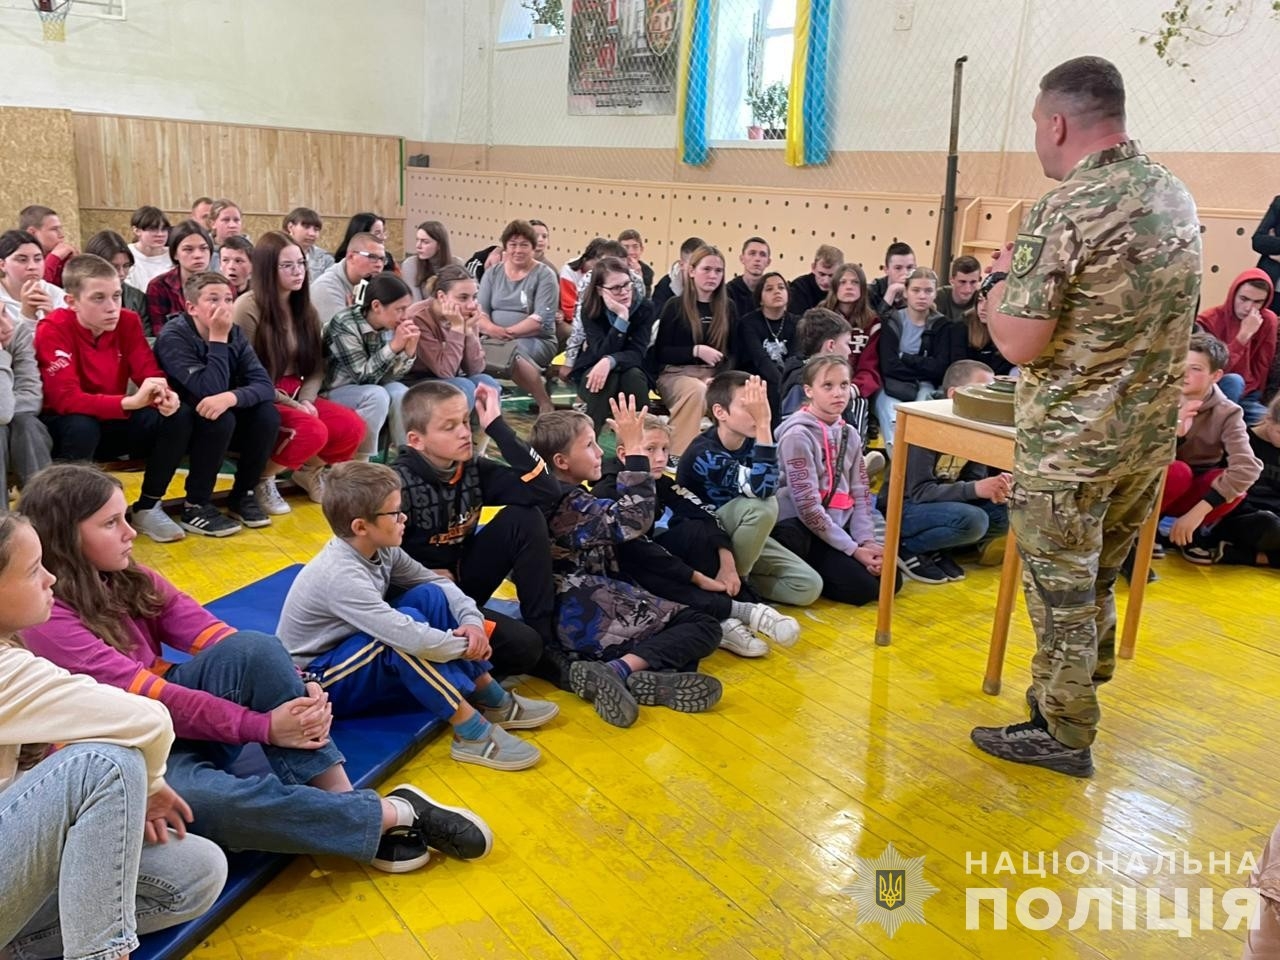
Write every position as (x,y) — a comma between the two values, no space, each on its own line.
(374,747)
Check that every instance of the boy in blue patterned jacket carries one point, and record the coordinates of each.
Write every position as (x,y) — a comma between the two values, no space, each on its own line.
(632,648)
(734,465)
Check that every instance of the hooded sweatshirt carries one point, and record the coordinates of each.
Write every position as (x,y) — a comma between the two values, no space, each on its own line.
(902,373)
(1218,433)
(1252,360)
(807,451)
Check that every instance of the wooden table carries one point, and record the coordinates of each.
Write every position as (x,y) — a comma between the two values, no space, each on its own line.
(933,425)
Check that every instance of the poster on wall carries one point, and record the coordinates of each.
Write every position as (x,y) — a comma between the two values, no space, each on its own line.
(622,57)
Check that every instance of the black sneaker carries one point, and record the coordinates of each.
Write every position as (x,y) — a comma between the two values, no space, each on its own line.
(603,689)
(952,570)
(401,850)
(685,692)
(919,568)
(207,520)
(452,830)
(1204,554)
(1032,744)
(246,510)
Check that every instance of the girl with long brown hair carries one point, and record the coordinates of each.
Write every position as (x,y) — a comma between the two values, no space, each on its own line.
(431,254)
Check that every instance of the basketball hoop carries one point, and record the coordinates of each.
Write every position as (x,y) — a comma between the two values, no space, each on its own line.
(53,19)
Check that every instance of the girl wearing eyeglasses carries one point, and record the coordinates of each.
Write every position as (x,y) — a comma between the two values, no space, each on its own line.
(617,327)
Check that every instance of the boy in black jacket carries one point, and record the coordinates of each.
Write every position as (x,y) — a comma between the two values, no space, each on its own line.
(692,561)
(445,488)
(213,368)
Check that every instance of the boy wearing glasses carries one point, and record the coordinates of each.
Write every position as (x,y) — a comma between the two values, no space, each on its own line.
(334,290)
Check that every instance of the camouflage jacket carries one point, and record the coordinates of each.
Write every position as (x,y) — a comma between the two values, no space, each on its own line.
(1111,257)
(585,529)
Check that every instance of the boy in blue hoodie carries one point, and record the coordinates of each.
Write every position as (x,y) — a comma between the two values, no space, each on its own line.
(734,467)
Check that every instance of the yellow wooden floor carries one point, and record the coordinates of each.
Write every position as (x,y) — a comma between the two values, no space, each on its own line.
(734,834)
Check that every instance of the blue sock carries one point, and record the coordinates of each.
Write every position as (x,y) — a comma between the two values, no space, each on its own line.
(491,696)
(477,728)
(619,667)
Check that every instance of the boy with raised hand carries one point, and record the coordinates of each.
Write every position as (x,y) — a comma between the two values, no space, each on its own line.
(445,488)
(692,561)
(733,465)
(380,632)
(89,352)
(633,649)
(810,289)
(217,374)
(46,226)
(889,292)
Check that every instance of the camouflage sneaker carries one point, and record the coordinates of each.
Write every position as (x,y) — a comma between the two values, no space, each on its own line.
(1031,743)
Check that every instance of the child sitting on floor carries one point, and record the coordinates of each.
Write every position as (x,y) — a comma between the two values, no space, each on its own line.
(634,649)
(109,622)
(692,561)
(1250,534)
(824,504)
(445,488)
(426,649)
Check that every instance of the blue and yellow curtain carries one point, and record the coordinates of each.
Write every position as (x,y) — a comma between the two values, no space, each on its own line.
(807,123)
(696,17)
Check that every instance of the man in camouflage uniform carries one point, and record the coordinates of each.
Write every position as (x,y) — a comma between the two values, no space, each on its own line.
(1097,310)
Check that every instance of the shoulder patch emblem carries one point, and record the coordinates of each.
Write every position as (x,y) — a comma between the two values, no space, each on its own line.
(1026,253)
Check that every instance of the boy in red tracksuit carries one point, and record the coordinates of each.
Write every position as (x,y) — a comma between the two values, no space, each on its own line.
(1248,329)
(88,353)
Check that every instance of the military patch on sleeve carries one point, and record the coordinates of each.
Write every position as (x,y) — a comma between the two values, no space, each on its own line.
(1026,253)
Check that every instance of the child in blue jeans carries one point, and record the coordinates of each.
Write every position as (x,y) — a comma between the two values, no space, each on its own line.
(429,651)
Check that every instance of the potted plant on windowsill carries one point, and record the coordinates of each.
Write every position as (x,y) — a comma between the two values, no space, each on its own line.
(769,110)
(548,17)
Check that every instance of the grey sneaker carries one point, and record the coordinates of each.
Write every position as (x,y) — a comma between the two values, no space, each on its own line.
(498,751)
(685,692)
(874,460)
(269,499)
(736,638)
(156,524)
(520,713)
(603,689)
(1031,743)
(311,481)
(781,629)
(456,831)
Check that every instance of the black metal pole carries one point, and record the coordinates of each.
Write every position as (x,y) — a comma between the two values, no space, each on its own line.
(953,161)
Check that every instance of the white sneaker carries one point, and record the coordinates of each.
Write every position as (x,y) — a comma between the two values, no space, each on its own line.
(736,638)
(269,499)
(768,622)
(312,481)
(157,525)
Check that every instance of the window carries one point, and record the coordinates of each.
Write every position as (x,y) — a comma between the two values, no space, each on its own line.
(516,20)
(754,40)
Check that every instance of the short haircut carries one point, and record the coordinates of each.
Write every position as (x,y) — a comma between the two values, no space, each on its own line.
(361,240)
(654,422)
(750,240)
(819,362)
(553,432)
(613,248)
(962,372)
(519,228)
(149,218)
(421,400)
(238,242)
(108,244)
(11,240)
(356,490)
(721,389)
(965,264)
(303,217)
(198,281)
(897,249)
(1212,349)
(83,268)
(816,327)
(923,273)
(199,200)
(690,245)
(33,216)
(1090,89)
(1257,285)
(631,234)
(187,228)
(829,255)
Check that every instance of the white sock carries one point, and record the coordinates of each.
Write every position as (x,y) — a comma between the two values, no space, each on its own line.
(404,811)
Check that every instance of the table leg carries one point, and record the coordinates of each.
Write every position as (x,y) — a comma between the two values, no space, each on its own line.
(1138,585)
(892,528)
(1010,575)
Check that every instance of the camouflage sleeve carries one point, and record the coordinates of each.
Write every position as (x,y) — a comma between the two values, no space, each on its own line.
(584,521)
(1046,257)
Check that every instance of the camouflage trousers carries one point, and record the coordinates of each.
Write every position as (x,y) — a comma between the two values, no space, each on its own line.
(1073,537)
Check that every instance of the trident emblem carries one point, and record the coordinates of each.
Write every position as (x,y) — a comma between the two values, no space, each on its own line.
(890,888)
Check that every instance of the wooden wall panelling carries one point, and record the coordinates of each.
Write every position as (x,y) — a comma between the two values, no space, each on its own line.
(1227,236)
(39,166)
(471,206)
